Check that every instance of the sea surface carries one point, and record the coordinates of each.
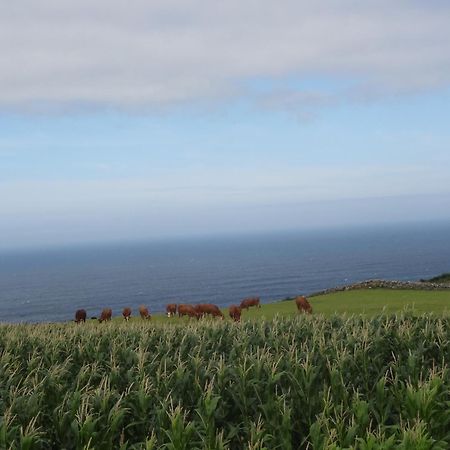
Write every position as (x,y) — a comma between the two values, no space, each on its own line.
(49,285)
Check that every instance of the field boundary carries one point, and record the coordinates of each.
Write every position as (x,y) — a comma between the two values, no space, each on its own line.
(385,284)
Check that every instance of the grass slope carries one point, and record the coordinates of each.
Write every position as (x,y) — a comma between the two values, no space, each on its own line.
(365,301)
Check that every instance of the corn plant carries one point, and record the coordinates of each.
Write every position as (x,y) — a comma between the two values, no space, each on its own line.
(305,383)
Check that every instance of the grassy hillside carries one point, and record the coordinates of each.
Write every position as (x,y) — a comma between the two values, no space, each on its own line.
(308,382)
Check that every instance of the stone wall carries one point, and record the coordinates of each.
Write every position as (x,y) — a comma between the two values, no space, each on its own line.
(386,284)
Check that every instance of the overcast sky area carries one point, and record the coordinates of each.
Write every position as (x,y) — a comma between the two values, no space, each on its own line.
(147,120)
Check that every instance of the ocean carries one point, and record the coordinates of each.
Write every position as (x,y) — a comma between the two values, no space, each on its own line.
(49,285)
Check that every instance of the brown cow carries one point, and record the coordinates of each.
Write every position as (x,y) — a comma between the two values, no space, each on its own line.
(187,310)
(302,304)
(144,313)
(80,315)
(126,313)
(106,315)
(235,313)
(199,310)
(250,301)
(208,308)
(171,309)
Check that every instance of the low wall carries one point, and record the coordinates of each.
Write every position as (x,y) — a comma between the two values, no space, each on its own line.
(386,284)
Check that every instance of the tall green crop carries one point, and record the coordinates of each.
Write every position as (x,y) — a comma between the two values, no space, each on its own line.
(303,383)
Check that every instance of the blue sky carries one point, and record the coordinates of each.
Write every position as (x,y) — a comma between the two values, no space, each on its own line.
(237,127)
(402,131)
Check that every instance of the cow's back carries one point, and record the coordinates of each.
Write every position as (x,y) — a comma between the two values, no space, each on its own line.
(250,301)
(187,310)
(208,308)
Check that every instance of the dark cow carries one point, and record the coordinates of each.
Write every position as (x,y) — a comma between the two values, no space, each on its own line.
(187,310)
(208,308)
(235,313)
(144,313)
(80,315)
(171,309)
(126,313)
(250,301)
(302,304)
(106,315)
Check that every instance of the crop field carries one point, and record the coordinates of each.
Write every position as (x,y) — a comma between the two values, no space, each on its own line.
(307,382)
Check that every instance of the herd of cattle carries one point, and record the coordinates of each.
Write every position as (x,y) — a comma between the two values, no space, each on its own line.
(197,311)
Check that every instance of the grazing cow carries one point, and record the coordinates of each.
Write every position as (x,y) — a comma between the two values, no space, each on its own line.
(235,313)
(106,315)
(80,315)
(126,313)
(200,310)
(250,301)
(302,304)
(208,308)
(144,313)
(187,310)
(171,309)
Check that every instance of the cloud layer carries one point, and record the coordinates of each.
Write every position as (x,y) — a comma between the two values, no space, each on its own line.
(143,55)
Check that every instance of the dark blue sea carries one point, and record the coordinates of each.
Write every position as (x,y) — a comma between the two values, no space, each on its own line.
(49,285)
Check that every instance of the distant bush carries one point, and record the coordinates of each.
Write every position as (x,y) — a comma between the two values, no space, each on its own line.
(443,278)
(308,382)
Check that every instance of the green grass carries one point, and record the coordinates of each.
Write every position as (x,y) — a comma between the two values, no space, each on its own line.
(369,302)
(365,301)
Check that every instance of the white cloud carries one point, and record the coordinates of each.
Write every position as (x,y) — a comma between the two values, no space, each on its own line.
(132,55)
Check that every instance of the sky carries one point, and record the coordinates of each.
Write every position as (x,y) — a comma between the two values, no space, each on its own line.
(147,120)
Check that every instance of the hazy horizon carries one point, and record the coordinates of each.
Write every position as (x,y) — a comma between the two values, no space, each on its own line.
(426,226)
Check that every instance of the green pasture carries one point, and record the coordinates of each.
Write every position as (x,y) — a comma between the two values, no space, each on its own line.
(369,302)
(365,301)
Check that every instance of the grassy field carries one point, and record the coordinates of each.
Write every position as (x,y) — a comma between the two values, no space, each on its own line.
(368,302)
